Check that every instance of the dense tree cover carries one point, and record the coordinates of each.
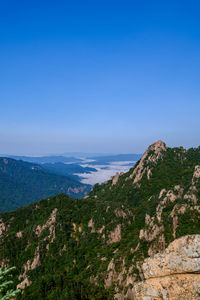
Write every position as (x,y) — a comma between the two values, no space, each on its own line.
(74,251)
(22,183)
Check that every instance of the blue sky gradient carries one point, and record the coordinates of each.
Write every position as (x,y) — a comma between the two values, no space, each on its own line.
(98,76)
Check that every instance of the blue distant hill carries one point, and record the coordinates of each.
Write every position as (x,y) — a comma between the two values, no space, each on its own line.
(115,158)
(22,183)
(46,159)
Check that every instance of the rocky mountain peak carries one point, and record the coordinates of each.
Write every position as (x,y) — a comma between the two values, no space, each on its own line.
(157,147)
(151,155)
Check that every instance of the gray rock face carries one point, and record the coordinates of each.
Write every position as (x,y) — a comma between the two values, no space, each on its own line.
(181,256)
(172,274)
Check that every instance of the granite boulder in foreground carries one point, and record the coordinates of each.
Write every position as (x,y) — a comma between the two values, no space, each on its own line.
(172,274)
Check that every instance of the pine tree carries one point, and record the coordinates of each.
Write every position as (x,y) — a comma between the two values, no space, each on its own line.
(6,281)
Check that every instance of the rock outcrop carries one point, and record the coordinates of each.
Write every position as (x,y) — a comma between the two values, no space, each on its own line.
(172,274)
(115,178)
(115,235)
(152,155)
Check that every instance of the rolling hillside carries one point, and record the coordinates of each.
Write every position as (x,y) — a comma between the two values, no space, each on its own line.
(22,183)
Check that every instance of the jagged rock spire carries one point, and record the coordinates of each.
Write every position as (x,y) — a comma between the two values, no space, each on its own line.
(158,148)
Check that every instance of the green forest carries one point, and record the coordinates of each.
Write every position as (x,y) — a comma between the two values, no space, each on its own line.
(63,248)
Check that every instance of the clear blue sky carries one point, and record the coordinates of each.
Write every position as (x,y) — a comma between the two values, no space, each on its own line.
(98,76)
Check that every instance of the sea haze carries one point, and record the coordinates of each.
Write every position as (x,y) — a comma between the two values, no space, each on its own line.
(103,171)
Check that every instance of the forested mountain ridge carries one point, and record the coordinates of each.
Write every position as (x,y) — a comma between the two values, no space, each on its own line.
(22,183)
(98,247)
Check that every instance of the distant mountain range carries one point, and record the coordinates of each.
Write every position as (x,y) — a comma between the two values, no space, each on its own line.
(46,159)
(115,158)
(77,158)
(22,183)
(88,170)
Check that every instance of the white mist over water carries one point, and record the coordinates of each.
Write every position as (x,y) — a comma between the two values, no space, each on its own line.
(104,172)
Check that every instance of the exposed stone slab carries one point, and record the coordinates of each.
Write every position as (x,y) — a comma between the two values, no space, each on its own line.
(172,274)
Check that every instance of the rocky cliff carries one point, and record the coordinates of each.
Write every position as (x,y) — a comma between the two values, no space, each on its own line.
(173,273)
